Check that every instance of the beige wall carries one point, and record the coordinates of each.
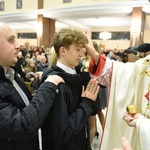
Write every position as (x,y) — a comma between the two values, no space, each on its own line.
(147,36)
(10,6)
(31,41)
(59,3)
(112,44)
(23,41)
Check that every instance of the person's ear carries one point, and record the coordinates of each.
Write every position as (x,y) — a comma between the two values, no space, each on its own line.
(62,51)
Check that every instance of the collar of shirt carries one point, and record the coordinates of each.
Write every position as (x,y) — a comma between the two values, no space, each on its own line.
(10,74)
(65,68)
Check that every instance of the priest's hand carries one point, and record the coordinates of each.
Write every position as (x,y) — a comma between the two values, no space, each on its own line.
(91,50)
(130,119)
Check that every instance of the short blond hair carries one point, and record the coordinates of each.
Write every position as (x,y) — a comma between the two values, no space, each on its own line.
(68,36)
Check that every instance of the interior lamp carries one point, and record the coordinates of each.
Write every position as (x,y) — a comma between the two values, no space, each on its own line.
(105,35)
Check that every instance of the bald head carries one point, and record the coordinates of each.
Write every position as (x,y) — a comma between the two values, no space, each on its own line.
(8,46)
(3,28)
(2,25)
(5,31)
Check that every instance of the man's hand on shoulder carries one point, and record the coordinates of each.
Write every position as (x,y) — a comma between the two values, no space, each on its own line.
(54,79)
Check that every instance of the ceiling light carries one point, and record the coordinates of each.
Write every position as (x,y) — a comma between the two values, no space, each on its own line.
(105,35)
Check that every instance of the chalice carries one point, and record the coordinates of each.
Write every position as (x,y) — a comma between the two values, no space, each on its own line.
(131,109)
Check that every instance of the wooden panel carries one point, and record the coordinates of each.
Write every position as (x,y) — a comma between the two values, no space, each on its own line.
(46,31)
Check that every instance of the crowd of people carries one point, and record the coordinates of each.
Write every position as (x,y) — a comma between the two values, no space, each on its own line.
(115,54)
(32,61)
(68,94)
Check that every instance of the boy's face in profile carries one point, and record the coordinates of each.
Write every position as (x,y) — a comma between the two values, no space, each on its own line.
(71,57)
